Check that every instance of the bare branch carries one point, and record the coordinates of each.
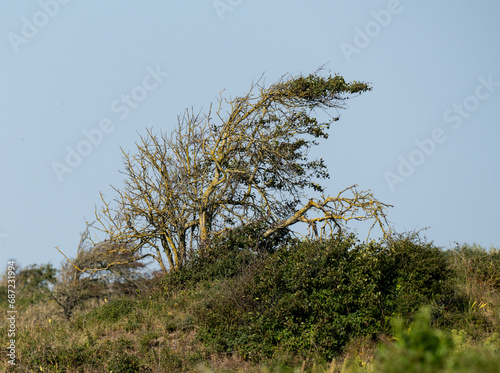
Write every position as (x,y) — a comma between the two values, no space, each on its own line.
(248,162)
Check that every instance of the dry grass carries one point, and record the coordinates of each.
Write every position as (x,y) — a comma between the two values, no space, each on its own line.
(478,280)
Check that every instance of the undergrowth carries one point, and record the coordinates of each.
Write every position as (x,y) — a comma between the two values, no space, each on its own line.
(284,305)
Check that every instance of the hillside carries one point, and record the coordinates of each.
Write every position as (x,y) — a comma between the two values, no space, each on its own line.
(290,305)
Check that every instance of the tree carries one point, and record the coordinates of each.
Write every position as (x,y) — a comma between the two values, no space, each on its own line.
(32,283)
(245,160)
(35,278)
(97,271)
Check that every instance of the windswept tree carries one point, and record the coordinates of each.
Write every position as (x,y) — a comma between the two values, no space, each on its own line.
(245,160)
(97,271)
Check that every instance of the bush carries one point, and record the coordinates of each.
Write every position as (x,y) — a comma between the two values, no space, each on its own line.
(415,273)
(311,297)
(420,348)
(229,255)
(33,283)
(316,295)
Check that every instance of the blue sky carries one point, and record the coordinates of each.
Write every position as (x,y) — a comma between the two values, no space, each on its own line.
(424,140)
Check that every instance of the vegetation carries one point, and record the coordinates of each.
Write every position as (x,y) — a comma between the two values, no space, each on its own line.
(239,291)
(224,170)
(113,272)
(309,305)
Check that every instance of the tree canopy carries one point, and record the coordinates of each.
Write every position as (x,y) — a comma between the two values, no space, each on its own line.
(244,160)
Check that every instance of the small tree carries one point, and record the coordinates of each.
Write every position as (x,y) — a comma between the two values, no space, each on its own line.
(32,283)
(223,170)
(113,269)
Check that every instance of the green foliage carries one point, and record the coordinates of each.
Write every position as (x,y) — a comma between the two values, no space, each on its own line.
(63,357)
(311,297)
(314,87)
(315,295)
(124,363)
(36,277)
(420,348)
(32,282)
(415,273)
(112,311)
(229,255)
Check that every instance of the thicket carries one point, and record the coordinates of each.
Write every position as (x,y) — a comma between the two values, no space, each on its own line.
(229,255)
(418,347)
(311,297)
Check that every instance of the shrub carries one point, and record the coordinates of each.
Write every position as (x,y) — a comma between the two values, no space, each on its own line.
(96,272)
(415,273)
(420,348)
(228,255)
(33,283)
(310,298)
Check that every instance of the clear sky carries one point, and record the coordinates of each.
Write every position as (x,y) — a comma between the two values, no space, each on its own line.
(80,79)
